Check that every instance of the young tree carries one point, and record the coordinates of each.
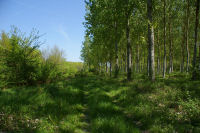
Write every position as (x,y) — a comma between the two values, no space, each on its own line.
(187,35)
(151,40)
(164,22)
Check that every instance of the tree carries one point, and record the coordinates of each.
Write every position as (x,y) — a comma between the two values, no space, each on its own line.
(164,22)
(194,76)
(187,35)
(151,40)
(118,29)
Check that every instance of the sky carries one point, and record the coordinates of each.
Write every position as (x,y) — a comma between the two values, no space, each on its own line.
(61,22)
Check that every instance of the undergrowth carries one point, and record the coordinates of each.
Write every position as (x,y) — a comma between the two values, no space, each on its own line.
(98,104)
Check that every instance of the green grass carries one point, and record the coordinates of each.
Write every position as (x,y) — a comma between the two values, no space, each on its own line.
(97,104)
(53,108)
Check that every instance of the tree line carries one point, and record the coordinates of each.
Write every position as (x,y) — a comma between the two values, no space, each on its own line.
(155,37)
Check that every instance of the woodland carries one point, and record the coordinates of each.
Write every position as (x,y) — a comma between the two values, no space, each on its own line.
(140,73)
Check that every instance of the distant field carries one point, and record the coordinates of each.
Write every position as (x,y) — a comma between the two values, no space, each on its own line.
(72,67)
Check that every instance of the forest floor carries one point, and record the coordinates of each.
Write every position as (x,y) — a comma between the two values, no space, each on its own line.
(95,104)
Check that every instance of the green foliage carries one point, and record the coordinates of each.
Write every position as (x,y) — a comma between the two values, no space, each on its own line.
(106,24)
(52,65)
(22,63)
(19,57)
(72,68)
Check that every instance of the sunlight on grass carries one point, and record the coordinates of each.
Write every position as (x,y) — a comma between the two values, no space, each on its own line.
(91,104)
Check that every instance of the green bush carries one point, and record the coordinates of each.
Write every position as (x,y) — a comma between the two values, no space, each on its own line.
(22,63)
(52,65)
(19,57)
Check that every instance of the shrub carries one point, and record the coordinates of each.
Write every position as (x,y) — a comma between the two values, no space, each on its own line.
(52,65)
(19,57)
(22,63)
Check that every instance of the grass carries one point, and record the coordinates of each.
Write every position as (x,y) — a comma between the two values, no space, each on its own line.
(98,104)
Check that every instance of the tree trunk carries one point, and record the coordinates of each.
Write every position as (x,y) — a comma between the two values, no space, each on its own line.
(194,75)
(106,67)
(145,61)
(158,56)
(100,68)
(138,58)
(128,50)
(89,65)
(170,50)
(141,64)
(110,69)
(148,62)
(116,53)
(121,68)
(183,50)
(151,40)
(187,36)
(125,63)
(164,59)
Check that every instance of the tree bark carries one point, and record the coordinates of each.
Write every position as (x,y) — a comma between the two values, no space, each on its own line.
(164,59)
(151,40)
(145,61)
(138,58)
(148,62)
(106,67)
(116,53)
(195,42)
(121,65)
(158,56)
(100,68)
(170,50)
(183,50)
(128,50)
(125,62)
(187,36)
(141,64)
(110,68)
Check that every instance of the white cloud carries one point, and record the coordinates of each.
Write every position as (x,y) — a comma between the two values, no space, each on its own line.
(63,32)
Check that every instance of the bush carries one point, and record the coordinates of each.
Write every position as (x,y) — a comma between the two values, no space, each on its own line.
(52,66)
(22,63)
(19,57)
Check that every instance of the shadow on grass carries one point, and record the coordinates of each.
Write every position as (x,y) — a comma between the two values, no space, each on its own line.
(54,108)
(101,105)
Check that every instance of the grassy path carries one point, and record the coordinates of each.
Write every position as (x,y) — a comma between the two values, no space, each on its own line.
(102,114)
(94,104)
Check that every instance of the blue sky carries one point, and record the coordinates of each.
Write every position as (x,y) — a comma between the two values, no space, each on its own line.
(60,21)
